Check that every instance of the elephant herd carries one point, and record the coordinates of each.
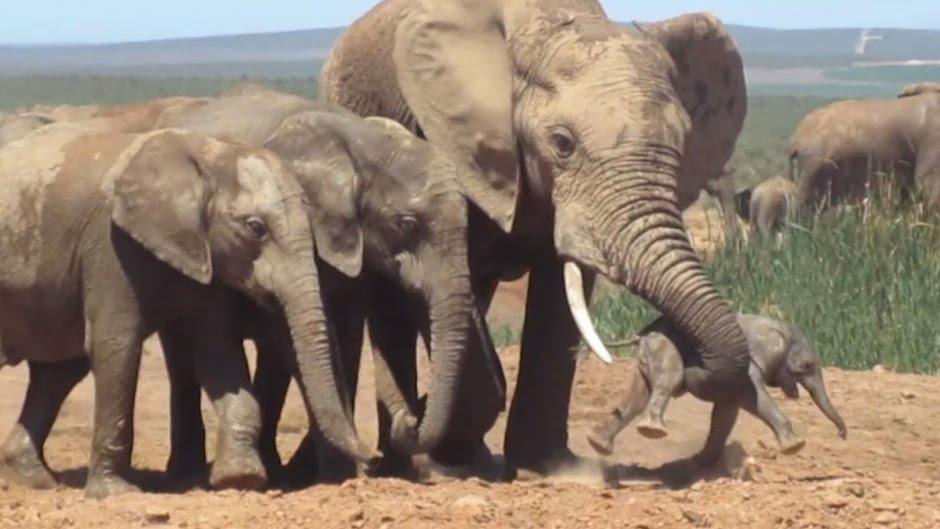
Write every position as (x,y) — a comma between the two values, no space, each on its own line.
(840,152)
(455,147)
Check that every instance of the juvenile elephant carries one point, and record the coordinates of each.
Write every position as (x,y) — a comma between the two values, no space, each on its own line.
(387,215)
(768,205)
(780,357)
(576,141)
(837,149)
(109,237)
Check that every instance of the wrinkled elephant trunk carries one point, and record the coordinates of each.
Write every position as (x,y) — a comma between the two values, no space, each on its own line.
(650,253)
(817,390)
(451,306)
(316,372)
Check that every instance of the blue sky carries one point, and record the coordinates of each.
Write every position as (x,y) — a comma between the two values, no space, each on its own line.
(55,21)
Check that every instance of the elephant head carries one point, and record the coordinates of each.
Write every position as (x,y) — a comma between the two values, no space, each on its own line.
(385,200)
(550,107)
(224,212)
(917,89)
(792,362)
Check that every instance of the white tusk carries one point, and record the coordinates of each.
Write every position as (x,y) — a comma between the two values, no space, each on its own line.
(574,288)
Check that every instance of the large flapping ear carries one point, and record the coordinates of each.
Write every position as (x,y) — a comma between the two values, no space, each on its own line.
(455,72)
(710,83)
(160,197)
(310,146)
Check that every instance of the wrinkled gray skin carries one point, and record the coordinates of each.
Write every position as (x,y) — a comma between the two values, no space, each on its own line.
(386,213)
(836,150)
(109,237)
(780,357)
(768,205)
(577,142)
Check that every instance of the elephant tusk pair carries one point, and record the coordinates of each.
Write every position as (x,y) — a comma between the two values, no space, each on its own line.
(574,289)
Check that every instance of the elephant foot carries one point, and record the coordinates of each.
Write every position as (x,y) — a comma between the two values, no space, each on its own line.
(707,459)
(186,471)
(105,485)
(244,472)
(24,466)
(792,446)
(601,443)
(395,465)
(539,465)
(652,429)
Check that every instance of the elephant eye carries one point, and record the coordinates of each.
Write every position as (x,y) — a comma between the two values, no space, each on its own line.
(406,224)
(257,227)
(563,142)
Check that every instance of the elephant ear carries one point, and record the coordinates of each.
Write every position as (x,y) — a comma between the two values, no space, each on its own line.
(917,89)
(710,82)
(313,148)
(455,72)
(160,198)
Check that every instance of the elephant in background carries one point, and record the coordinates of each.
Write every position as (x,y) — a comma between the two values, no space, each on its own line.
(768,205)
(577,142)
(109,238)
(838,149)
(917,89)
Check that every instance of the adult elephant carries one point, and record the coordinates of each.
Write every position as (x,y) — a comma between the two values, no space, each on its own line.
(577,142)
(836,150)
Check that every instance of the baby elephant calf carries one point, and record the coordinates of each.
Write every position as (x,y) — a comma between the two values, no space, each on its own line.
(780,357)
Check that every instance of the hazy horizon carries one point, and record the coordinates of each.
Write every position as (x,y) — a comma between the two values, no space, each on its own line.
(115,21)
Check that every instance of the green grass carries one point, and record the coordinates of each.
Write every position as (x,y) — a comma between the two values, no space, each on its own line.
(863,282)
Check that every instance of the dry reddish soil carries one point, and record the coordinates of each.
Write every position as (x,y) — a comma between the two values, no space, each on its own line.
(887,474)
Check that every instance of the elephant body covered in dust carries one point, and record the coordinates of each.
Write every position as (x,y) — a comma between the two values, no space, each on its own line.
(577,142)
(389,220)
(110,237)
(780,357)
(837,150)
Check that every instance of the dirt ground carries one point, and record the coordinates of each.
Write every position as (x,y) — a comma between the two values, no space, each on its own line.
(887,474)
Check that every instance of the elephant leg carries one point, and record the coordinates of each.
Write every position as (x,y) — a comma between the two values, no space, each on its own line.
(116,340)
(314,452)
(22,452)
(927,174)
(222,370)
(537,432)
(187,462)
(760,404)
(481,395)
(602,435)
(272,380)
(724,415)
(664,367)
(393,333)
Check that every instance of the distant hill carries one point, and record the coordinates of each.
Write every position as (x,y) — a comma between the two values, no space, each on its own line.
(300,53)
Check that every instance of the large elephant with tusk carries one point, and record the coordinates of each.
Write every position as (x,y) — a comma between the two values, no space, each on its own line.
(577,142)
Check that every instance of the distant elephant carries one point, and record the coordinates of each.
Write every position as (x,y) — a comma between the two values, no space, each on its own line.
(837,149)
(780,357)
(577,142)
(917,89)
(768,205)
(109,237)
(385,211)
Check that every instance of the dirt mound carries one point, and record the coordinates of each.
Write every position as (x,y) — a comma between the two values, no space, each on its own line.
(885,475)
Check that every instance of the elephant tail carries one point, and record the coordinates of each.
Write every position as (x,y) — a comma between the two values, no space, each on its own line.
(793,155)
